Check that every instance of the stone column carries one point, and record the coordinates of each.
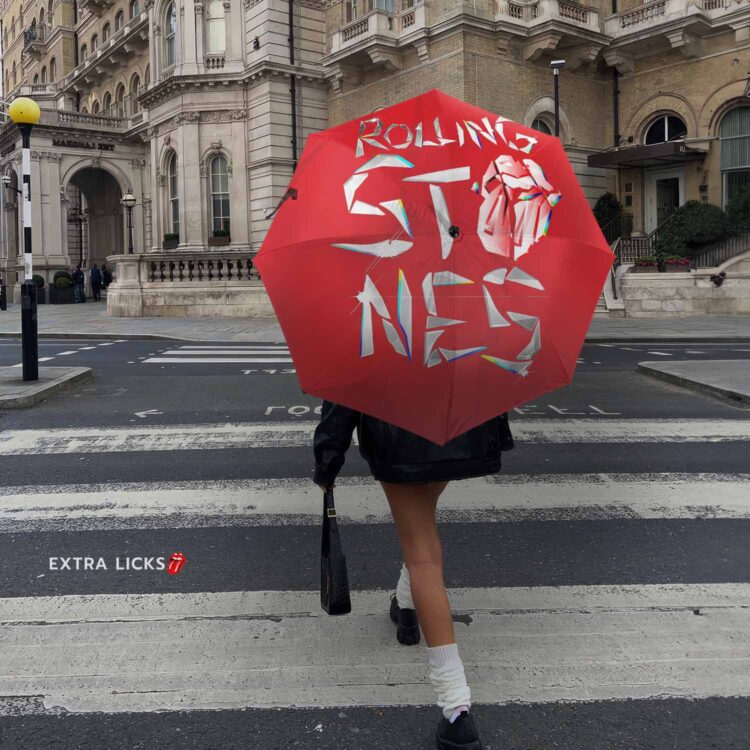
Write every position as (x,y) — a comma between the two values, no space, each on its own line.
(186,37)
(233,24)
(191,210)
(199,32)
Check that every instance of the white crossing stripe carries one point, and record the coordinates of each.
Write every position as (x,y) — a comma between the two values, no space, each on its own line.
(62,354)
(149,652)
(299,435)
(693,351)
(661,354)
(297,501)
(207,360)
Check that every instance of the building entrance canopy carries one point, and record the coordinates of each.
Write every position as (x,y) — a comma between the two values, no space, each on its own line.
(671,153)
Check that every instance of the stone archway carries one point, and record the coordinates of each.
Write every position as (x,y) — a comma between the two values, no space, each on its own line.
(95,216)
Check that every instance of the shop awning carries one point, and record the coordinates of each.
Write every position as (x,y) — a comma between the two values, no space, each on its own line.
(657,155)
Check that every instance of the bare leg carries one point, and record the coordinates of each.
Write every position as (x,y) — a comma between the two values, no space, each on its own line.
(413,508)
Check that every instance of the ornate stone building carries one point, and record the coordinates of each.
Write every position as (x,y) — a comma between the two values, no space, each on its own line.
(201,108)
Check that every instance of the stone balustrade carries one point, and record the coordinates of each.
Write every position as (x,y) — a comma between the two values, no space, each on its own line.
(382,24)
(530,13)
(186,284)
(649,15)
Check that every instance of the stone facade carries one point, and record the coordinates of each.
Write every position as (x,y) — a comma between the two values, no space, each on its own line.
(157,93)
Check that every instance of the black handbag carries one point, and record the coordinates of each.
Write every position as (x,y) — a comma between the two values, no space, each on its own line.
(334,581)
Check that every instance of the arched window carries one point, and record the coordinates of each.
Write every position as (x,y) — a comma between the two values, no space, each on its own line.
(13,27)
(53,70)
(119,20)
(120,101)
(135,8)
(36,78)
(95,108)
(84,52)
(542,125)
(173,216)
(94,42)
(14,73)
(135,84)
(219,193)
(734,134)
(215,26)
(665,128)
(106,31)
(85,110)
(107,104)
(170,35)
(44,74)
(41,17)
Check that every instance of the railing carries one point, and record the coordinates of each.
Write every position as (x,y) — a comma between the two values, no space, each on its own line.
(523,12)
(358,28)
(620,226)
(218,267)
(83,118)
(566,11)
(214,62)
(722,251)
(574,12)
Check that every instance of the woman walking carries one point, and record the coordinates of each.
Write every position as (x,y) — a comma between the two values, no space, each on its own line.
(414,472)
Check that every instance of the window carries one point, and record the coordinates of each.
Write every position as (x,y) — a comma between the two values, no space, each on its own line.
(170,35)
(219,193)
(541,125)
(174,202)
(14,74)
(120,101)
(666,128)
(94,42)
(41,17)
(734,135)
(36,78)
(119,20)
(13,27)
(107,104)
(44,74)
(95,108)
(53,70)
(106,32)
(135,8)
(135,84)
(215,25)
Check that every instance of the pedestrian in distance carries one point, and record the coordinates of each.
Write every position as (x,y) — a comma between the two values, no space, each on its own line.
(414,472)
(79,288)
(106,276)
(96,283)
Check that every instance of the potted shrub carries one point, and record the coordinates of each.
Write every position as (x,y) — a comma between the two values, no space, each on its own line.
(170,241)
(41,297)
(675,263)
(61,291)
(219,237)
(645,264)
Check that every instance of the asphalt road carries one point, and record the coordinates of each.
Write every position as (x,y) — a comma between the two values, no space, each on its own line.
(672,520)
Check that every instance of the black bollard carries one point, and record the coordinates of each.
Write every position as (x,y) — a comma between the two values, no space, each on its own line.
(29,345)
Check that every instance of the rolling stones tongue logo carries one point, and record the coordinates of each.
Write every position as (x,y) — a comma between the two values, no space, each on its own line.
(514,215)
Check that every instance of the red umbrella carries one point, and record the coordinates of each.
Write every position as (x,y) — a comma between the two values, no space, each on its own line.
(437,265)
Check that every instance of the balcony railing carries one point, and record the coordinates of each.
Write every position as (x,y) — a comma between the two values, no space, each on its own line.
(657,12)
(84,118)
(134,30)
(35,33)
(540,11)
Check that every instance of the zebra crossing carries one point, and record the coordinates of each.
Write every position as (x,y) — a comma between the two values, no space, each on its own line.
(205,354)
(229,631)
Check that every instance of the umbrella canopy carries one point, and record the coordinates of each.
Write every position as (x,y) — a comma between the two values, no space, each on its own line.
(437,265)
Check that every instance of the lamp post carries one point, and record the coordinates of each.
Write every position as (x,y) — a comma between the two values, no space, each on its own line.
(128,202)
(557,66)
(25,114)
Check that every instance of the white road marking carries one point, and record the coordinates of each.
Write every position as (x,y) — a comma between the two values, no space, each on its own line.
(694,351)
(106,343)
(215,352)
(661,354)
(62,354)
(149,652)
(45,359)
(298,434)
(297,501)
(83,348)
(207,360)
(630,349)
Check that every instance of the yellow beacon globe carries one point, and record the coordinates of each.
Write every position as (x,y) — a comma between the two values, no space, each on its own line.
(24,111)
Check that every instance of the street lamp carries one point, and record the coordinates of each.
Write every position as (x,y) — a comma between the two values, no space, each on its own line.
(25,114)
(128,202)
(557,66)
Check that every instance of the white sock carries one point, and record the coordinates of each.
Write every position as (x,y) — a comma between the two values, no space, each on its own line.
(403,589)
(448,678)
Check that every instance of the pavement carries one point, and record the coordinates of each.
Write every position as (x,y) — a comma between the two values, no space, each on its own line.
(724,378)
(16,393)
(91,321)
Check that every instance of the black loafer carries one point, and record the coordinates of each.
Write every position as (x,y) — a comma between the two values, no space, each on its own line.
(407,625)
(461,735)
